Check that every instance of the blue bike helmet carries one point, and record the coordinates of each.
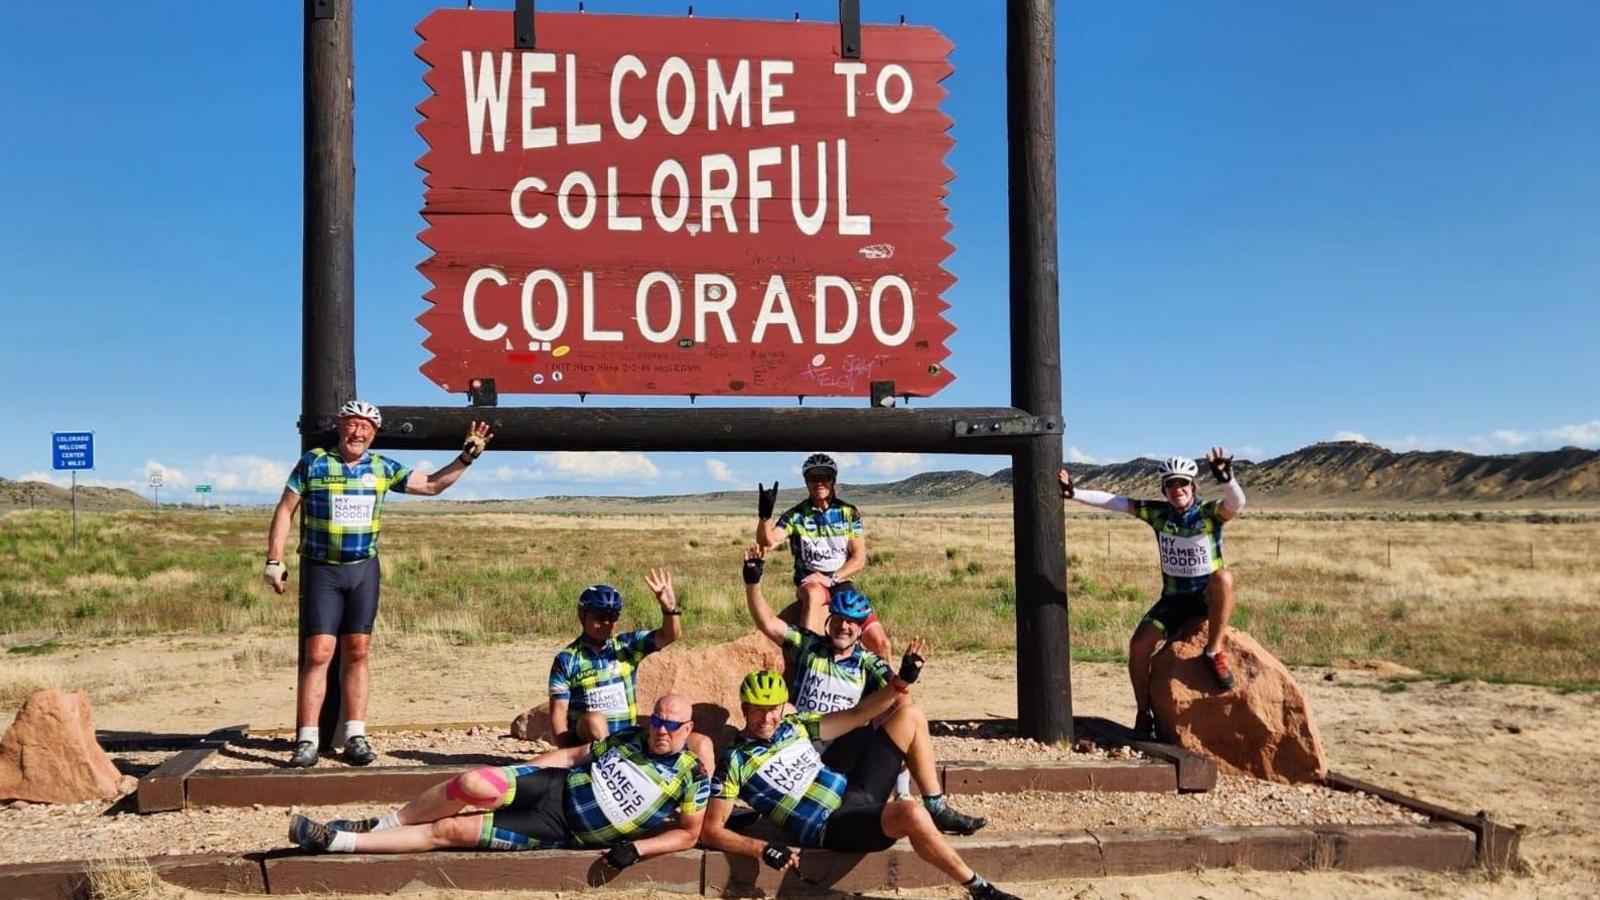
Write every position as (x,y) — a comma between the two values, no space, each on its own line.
(600,598)
(848,601)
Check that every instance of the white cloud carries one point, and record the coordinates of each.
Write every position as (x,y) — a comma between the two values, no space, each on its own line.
(245,474)
(59,479)
(720,471)
(846,460)
(511,473)
(602,464)
(893,463)
(1500,440)
(1350,436)
(1074,455)
(1580,434)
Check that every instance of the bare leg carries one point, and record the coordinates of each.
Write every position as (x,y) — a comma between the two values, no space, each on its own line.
(355,675)
(1140,648)
(907,819)
(456,831)
(314,678)
(876,639)
(813,607)
(479,789)
(1219,603)
(907,726)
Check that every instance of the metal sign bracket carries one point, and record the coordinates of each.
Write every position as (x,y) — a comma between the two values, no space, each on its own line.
(522,25)
(850,29)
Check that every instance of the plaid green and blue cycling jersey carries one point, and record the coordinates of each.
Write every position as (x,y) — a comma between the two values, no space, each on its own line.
(820,538)
(783,778)
(826,684)
(601,680)
(621,793)
(1190,543)
(340,503)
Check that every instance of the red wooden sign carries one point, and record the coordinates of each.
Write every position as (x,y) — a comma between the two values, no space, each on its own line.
(684,206)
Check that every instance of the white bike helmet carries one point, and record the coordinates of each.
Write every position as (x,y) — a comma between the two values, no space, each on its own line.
(819,462)
(362,410)
(1178,467)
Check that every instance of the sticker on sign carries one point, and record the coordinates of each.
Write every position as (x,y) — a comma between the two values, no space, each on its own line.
(684,206)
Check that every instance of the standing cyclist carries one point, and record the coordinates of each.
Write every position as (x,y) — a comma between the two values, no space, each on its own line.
(828,542)
(1195,580)
(343,490)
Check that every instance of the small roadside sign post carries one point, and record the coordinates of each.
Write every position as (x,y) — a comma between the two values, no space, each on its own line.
(72,450)
(157,478)
(202,490)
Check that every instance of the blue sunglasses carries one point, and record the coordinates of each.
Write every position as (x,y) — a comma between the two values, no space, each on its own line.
(671,726)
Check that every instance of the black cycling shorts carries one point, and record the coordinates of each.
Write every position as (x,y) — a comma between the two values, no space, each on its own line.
(1173,611)
(536,813)
(857,825)
(337,599)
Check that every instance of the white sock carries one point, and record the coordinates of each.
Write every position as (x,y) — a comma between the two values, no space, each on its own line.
(343,842)
(392,820)
(353,728)
(902,784)
(306,733)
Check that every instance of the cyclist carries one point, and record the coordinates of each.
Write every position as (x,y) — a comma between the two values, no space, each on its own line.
(640,791)
(773,767)
(343,490)
(835,671)
(827,539)
(592,680)
(1195,580)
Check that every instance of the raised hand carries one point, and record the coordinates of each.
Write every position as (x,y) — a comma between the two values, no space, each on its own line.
(911,662)
(659,581)
(1221,464)
(478,437)
(1066,483)
(755,561)
(766,500)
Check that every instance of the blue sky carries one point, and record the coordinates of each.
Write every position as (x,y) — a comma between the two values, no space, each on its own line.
(1280,223)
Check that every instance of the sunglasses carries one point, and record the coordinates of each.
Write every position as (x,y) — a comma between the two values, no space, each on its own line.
(1175,483)
(667,724)
(604,617)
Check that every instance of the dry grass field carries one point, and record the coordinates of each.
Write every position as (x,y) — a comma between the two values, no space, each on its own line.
(1450,596)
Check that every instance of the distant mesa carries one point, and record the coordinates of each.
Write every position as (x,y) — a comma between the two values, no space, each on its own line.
(1327,474)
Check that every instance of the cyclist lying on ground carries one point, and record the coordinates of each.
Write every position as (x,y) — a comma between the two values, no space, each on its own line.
(773,767)
(641,791)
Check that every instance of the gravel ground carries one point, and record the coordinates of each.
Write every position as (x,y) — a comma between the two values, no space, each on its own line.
(487,746)
(39,832)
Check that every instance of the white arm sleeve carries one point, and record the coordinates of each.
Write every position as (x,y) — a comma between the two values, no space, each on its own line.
(1103,500)
(1232,496)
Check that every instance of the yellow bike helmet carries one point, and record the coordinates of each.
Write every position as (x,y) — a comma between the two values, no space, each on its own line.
(763,687)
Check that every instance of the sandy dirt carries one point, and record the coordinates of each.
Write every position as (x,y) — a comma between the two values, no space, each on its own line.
(1524,753)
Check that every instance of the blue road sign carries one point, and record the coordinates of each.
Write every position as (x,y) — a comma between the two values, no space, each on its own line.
(72,449)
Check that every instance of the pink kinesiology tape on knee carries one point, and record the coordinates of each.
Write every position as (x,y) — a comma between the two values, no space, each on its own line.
(453,790)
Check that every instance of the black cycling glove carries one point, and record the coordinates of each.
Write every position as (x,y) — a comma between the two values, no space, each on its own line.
(766,500)
(910,667)
(776,855)
(622,855)
(753,567)
(1221,468)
